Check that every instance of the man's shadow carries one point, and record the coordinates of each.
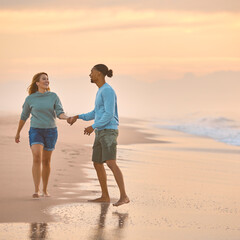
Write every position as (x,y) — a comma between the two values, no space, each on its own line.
(100,233)
(38,231)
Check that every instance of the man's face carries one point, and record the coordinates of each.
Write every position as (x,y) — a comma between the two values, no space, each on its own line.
(94,75)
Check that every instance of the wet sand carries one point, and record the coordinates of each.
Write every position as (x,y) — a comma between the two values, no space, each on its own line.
(72,153)
(181,187)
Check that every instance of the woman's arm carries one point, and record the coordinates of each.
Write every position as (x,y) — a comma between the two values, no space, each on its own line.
(63,116)
(20,126)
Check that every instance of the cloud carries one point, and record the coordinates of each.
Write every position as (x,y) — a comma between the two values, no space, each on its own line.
(147,44)
(75,21)
(183,5)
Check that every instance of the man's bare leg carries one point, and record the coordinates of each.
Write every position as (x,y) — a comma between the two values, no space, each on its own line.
(102,178)
(120,182)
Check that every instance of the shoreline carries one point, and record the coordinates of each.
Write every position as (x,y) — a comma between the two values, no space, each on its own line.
(68,163)
(185,187)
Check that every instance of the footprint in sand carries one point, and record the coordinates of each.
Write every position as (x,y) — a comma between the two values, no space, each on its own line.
(74,154)
(95,191)
(60,174)
(71,161)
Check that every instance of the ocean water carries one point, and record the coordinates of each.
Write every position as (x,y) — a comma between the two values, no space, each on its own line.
(222,128)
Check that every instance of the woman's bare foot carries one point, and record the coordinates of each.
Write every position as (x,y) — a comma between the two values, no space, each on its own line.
(36,195)
(45,194)
(101,199)
(121,201)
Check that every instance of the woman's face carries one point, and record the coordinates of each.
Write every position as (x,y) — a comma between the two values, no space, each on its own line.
(43,82)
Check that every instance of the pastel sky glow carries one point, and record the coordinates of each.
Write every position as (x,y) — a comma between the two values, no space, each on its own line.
(149,43)
(136,42)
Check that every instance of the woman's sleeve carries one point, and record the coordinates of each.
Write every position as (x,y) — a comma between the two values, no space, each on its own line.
(26,110)
(58,107)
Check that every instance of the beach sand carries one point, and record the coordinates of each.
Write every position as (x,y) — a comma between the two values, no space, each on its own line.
(73,151)
(180,186)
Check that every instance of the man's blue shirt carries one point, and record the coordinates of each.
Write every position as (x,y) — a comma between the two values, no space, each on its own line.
(105,113)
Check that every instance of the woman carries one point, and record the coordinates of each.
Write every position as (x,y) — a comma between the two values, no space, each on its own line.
(105,115)
(44,106)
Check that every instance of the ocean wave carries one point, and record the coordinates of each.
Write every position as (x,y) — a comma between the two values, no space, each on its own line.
(221,129)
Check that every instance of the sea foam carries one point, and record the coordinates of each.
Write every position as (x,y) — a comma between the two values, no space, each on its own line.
(221,129)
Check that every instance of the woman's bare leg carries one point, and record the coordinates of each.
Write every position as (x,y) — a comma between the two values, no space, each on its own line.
(37,150)
(46,168)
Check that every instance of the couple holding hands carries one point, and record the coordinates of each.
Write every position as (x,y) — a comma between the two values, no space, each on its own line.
(44,106)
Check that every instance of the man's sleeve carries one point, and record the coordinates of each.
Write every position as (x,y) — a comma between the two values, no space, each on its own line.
(109,106)
(87,116)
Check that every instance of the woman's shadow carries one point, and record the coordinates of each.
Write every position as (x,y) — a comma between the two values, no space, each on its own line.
(38,231)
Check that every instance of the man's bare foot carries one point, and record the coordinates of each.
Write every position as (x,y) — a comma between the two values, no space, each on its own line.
(121,201)
(36,195)
(101,199)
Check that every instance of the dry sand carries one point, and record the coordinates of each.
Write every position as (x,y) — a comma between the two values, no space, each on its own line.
(181,187)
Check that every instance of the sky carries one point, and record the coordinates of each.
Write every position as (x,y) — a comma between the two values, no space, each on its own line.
(163,53)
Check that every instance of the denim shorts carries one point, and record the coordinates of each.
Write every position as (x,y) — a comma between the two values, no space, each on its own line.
(44,136)
(105,145)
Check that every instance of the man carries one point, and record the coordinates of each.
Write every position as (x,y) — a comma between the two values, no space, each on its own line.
(105,115)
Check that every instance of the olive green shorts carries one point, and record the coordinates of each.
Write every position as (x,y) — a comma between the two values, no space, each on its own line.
(105,145)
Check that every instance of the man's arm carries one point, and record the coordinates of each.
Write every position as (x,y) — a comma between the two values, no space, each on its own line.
(86,117)
(109,107)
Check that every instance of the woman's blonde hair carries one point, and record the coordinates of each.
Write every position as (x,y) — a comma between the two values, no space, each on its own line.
(33,87)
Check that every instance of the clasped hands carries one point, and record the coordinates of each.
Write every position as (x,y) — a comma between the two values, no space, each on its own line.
(72,120)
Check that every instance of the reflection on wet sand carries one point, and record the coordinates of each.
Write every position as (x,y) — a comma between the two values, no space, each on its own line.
(118,231)
(38,231)
(121,218)
(82,221)
(103,213)
(101,232)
